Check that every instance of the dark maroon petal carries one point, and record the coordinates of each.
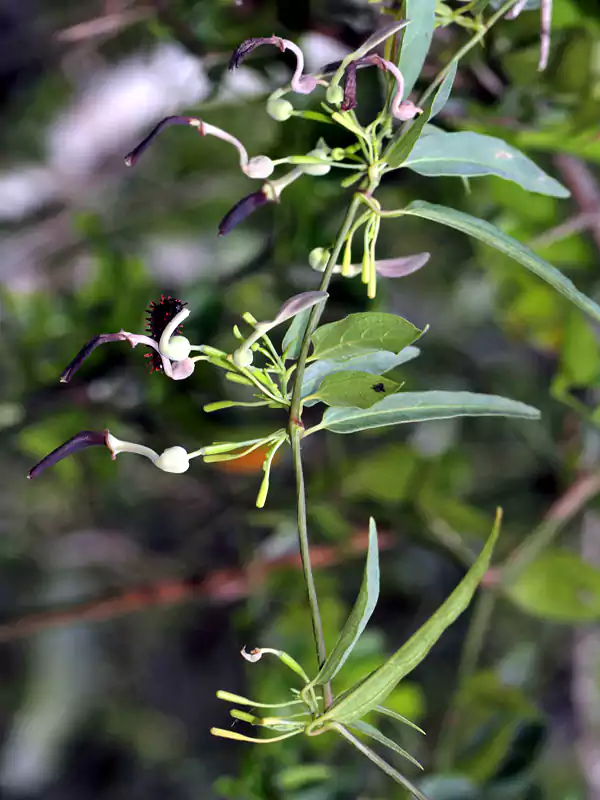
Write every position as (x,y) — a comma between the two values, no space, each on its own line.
(240,53)
(242,210)
(349,101)
(80,441)
(87,350)
(131,158)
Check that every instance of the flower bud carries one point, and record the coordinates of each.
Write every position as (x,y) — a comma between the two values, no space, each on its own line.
(243,357)
(178,348)
(259,167)
(334,94)
(318,258)
(316,170)
(173,459)
(279,109)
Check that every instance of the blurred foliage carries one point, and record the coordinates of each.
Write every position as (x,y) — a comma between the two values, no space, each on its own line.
(86,244)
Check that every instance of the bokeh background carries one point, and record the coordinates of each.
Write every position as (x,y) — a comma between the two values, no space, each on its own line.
(127,593)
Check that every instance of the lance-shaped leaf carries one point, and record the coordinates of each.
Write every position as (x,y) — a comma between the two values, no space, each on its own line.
(373,691)
(422,407)
(416,40)
(378,736)
(494,237)
(443,93)
(375,362)
(474,155)
(354,389)
(360,614)
(359,333)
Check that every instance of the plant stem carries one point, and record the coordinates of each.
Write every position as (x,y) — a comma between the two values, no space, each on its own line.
(296,431)
(467,48)
(466,669)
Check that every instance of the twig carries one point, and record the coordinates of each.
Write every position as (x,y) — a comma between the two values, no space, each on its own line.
(224,585)
(584,188)
(101,26)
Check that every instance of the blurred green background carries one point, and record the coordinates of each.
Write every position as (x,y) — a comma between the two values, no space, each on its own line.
(118,701)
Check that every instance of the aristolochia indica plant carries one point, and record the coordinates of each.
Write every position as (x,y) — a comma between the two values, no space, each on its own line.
(343,365)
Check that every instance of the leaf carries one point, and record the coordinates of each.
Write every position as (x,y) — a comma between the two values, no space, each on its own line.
(374,733)
(558,586)
(354,389)
(292,340)
(473,155)
(416,40)
(375,362)
(398,717)
(360,614)
(402,144)
(359,333)
(489,234)
(372,692)
(422,406)
(443,93)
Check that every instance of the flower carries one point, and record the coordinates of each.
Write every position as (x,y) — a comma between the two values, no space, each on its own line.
(171,351)
(302,84)
(257,167)
(173,459)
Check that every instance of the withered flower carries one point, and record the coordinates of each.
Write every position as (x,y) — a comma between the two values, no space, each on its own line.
(302,84)
(171,350)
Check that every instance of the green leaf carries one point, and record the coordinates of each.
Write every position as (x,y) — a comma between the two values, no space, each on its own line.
(443,93)
(416,40)
(558,586)
(398,717)
(374,733)
(354,389)
(358,334)
(474,155)
(360,614)
(422,406)
(489,234)
(292,340)
(373,691)
(376,362)
(380,762)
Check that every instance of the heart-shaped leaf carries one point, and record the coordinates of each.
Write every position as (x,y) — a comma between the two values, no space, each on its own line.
(360,333)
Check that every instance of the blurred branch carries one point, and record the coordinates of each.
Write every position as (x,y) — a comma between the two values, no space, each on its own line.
(580,179)
(101,26)
(223,585)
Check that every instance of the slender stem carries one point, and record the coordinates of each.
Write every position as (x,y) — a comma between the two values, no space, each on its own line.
(483,31)
(471,651)
(296,430)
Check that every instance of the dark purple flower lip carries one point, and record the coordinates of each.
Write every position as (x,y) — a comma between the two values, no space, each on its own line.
(86,351)
(132,157)
(240,54)
(78,442)
(349,102)
(242,209)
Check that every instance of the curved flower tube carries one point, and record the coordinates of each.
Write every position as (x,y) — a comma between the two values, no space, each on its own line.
(173,459)
(257,167)
(301,84)
(171,350)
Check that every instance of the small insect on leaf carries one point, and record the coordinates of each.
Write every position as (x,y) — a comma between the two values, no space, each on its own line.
(378,387)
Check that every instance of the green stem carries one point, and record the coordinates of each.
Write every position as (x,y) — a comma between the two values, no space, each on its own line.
(296,430)
(504,9)
(478,627)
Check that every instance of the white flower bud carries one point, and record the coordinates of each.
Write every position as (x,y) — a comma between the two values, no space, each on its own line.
(279,109)
(178,348)
(334,94)
(316,170)
(173,459)
(243,357)
(259,167)
(318,258)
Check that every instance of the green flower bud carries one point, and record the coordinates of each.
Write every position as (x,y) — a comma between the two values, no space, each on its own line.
(316,170)
(279,109)
(318,258)
(334,94)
